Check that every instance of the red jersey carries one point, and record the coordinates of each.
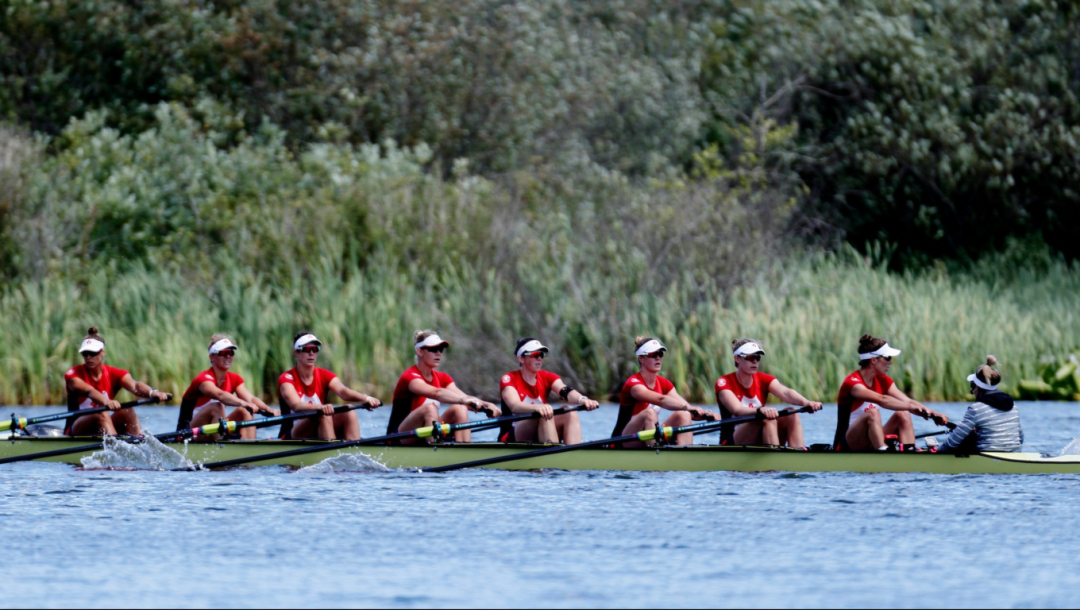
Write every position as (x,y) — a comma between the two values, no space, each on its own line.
(317,393)
(530,394)
(406,402)
(108,384)
(754,396)
(194,399)
(847,403)
(663,386)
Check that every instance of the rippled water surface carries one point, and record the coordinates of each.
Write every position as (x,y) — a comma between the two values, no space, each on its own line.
(345,534)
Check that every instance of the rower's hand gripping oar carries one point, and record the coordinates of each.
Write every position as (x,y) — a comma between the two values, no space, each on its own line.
(440,430)
(951,426)
(181,434)
(20,423)
(658,433)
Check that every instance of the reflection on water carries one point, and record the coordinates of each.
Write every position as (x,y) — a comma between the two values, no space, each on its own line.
(346,534)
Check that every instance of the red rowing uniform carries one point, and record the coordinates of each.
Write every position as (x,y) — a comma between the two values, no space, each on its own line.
(629,407)
(528,394)
(108,384)
(318,393)
(754,396)
(406,402)
(850,409)
(194,400)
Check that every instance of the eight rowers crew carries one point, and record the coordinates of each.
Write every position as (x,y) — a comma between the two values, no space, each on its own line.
(527,390)
(421,389)
(992,422)
(863,392)
(646,389)
(205,400)
(307,387)
(94,384)
(745,391)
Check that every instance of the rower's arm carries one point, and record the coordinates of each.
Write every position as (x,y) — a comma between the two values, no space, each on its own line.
(348,394)
(142,390)
(78,385)
(573,397)
(289,396)
(893,403)
(226,398)
(917,407)
(727,399)
(790,396)
(244,393)
(448,396)
(516,405)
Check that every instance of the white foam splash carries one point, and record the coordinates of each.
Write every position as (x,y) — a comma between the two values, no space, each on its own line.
(1073,448)
(345,462)
(150,454)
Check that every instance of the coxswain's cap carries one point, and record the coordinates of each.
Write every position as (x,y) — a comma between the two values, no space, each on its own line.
(91,345)
(431,341)
(650,347)
(221,346)
(531,347)
(306,340)
(979,383)
(884,352)
(749,349)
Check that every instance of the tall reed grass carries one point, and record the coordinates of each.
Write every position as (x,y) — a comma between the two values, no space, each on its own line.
(808,312)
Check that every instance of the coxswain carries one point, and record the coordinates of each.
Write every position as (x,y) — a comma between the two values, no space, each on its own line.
(745,392)
(992,422)
(646,392)
(421,390)
(307,387)
(528,389)
(868,390)
(214,389)
(94,384)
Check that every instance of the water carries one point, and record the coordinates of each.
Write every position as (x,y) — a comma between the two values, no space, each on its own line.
(349,533)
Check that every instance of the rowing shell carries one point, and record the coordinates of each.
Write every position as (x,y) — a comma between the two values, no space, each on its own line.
(691,458)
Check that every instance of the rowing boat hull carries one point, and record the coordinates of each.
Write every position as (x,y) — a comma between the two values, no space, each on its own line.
(695,458)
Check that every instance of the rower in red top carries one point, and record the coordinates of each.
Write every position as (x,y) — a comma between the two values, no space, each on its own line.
(215,388)
(307,387)
(421,390)
(745,392)
(868,390)
(528,389)
(94,384)
(645,392)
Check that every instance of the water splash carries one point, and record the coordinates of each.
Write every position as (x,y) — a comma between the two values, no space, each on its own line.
(345,462)
(149,454)
(1073,448)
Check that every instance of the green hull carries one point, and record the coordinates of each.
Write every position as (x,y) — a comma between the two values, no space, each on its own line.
(696,458)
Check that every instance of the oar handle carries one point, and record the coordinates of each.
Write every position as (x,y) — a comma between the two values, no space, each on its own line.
(20,423)
(233,426)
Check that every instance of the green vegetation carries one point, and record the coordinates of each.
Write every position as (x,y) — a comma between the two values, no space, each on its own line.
(1059,379)
(580,172)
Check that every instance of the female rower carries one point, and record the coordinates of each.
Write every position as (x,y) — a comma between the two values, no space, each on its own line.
(868,390)
(992,422)
(527,390)
(646,391)
(94,384)
(215,388)
(421,390)
(744,393)
(307,387)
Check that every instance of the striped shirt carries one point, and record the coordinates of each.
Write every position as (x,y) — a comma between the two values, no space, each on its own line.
(994,429)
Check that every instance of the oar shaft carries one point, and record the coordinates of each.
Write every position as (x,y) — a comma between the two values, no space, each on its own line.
(643,436)
(233,426)
(22,422)
(421,433)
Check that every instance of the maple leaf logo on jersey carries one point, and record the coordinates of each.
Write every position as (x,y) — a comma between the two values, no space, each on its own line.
(855,378)
(721,382)
(289,377)
(506,379)
(70,372)
(209,377)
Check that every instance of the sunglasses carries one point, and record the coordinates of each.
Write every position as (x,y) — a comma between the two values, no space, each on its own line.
(752,358)
(227,353)
(438,349)
(539,355)
(309,349)
(88,354)
(886,358)
(659,355)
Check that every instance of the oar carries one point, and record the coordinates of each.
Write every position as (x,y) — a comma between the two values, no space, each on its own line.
(951,426)
(440,430)
(179,434)
(20,423)
(645,435)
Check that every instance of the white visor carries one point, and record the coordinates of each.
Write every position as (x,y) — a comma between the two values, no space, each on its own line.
(884,351)
(979,383)
(650,347)
(532,347)
(91,345)
(222,345)
(431,341)
(305,340)
(749,349)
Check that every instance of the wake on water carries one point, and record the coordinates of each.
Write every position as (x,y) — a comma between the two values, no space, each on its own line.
(148,454)
(345,462)
(1073,448)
